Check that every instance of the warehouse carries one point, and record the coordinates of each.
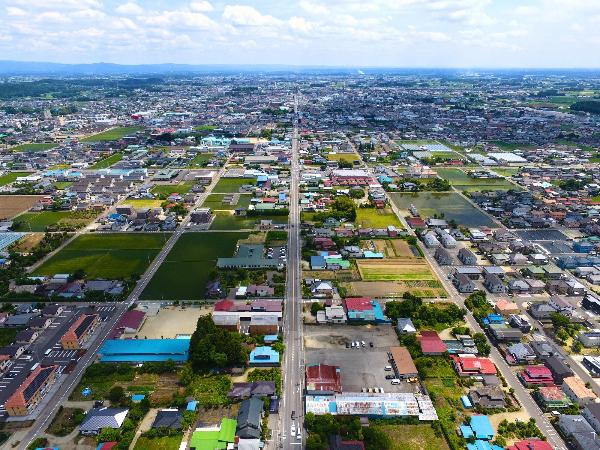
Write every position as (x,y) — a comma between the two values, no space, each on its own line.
(144,350)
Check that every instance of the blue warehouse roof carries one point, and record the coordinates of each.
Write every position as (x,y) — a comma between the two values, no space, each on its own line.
(144,350)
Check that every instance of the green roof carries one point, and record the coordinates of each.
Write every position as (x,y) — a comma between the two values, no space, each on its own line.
(213,439)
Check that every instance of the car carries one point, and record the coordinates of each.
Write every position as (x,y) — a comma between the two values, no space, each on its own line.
(381,391)
(347,345)
(387,368)
(364,344)
(293,415)
(395,381)
(299,435)
(371,344)
(364,389)
(357,344)
(353,344)
(389,377)
(293,429)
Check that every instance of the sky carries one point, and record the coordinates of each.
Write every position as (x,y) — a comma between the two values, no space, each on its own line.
(357,33)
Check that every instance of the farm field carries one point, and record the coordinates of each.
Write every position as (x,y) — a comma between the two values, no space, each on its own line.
(61,185)
(225,220)
(215,202)
(376,218)
(111,135)
(10,177)
(394,248)
(452,205)
(111,256)
(413,437)
(394,289)
(50,220)
(347,157)
(33,147)
(187,268)
(232,185)
(159,443)
(201,159)
(390,270)
(108,161)
(142,202)
(168,189)
(11,205)
(463,182)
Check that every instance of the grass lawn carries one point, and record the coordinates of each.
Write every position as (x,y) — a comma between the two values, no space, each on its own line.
(348,157)
(142,202)
(7,335)
(230,185)
(108,161)
(507,171)
(186,269)
(112,256)
(60,185)
(507,146)
(413,437)
(33,147)
(391,270)
(463,182)
(201,159)
(596,198)
(9,177)
(168,189)
(111,135)
(40,221)
(376,218)
(215,202)
(224,220)
(161,443)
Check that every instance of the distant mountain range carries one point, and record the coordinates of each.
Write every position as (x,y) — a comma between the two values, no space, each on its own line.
(101,68)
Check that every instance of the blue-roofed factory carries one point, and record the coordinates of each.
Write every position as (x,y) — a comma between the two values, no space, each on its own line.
(144,350)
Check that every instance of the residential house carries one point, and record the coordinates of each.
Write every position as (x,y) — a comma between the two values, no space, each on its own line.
(467,257)
(488,397)
(31,391)
(577,391)
(463,284)
(494,284)
(249,418)
(97,419)
(443,257)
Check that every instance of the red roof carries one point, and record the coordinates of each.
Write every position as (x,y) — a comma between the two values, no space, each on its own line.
(131,319)
(358,304)
(224,305)
(431,342)
(322,377)
(530,444)
(474,366)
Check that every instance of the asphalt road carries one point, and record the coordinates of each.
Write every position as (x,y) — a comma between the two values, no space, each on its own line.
(520,392)
(293,363)
(68,382)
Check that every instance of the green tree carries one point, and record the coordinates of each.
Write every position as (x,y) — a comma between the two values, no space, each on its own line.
(376,439)
(108,435)
(116,395)
(315,442)
(212,347)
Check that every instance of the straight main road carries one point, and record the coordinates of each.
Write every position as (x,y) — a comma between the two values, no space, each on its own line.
(68,382)
(293,364)
(521,394)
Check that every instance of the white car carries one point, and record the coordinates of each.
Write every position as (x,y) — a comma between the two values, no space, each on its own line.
(293,429)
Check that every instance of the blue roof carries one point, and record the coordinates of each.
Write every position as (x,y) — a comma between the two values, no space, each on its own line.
(264,355)
(317,261)
(271,338)
(483,445)
(482,427)
(261,178)
(191,406)
(466,431)
(143,350)
(466,402)
(137,397)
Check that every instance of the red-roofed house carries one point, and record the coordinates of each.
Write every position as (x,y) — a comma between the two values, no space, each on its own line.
(431,344)
(416,222)
(31,392)
(131,322)
(323,378)
(79,331)
(530,444)
(536,376)
(473,366)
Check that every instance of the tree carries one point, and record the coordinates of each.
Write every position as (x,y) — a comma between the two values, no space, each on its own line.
(483,347)
(212,347)
(116,395)
(376,439)
(314,442)
(108,435)
(315,307)
(357,193)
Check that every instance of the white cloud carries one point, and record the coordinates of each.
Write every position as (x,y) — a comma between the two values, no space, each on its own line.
(130,9)
(15,12)
(244,15)
(52,17)
(202,6)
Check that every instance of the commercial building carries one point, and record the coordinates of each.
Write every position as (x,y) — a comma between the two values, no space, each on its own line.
(31,392)
(144,350)
(403,363)
(323,379)
(577,391)
(79,331)
(364,310)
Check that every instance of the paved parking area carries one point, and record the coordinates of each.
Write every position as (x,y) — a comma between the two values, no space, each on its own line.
(360,367)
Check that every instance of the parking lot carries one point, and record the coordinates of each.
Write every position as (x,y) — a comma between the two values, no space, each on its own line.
(361,367)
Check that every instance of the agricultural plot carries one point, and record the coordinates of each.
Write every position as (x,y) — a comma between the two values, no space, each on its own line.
(10,177)
(396,248)
(168,189)
(376,218)
(215,202)
(201,160)
(413,437)
(452,205)
(226,220)
(187,268)
(142,202)
(232,185)
(11,205)
(346,157)
(108,161)
(399,270)
(159,443)
(53,220)
(34,147)
(463,182)
(111,256)
(394,289)
(113,134)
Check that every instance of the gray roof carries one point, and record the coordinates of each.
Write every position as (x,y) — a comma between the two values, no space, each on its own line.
(249,417)
(98,418)
(570,424)
(168,418)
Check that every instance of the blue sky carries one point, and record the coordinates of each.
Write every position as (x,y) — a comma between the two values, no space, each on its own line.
(397,33)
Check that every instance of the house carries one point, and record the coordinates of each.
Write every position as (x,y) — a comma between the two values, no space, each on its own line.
(521,353)
(488,397)
(577,391)
(323,379)
(26,336)
(463,284)
(479,427)
(443,257)
(536,376)
(591,412)
(506,307)
(430,240)
(81,329)
(473,272)
(264,357)
(530,444)
(590,339)
(261,325)
(98,418)
(364,309)
(494,284)
(322,289)
(332,314)
(52,310)
(578,432)
(168,418)
(561,305)
(501,332)
(518,286)
(467,257)
(560,370)
(214,437)
(471,365)
(541,311)
(31,391)
(249,418)
(130,323)
(431,344)
(405,326)
(403,363)
(551,398)
(240,391)
(520,321)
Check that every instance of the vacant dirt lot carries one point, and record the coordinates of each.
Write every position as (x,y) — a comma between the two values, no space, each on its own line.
(11,205)
(393,289)
(170,322)
(396,248)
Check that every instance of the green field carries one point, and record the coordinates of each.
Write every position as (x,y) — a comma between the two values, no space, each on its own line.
(215,202)
(201,159)
(142,202)
(227,221)
(392,270)
(7,335)
(160,443)
(168,189)
(113,134)
(33,147)
(231,185)
(463,182)
(348,157)
(108,161)
(9,177)
(61,185)
(376,218)
(112,256)
(186,269)
(40,221)
(413,437)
